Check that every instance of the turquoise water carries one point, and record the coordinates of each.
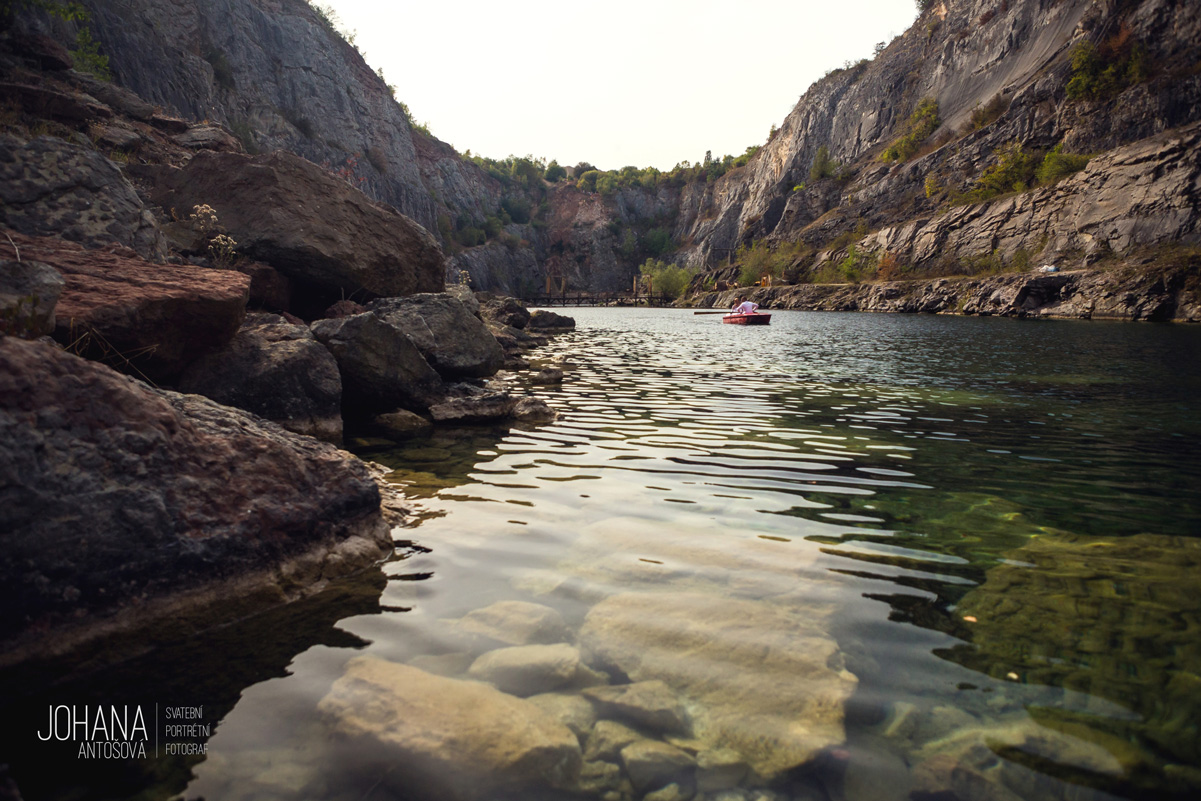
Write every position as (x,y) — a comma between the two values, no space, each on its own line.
(988,528)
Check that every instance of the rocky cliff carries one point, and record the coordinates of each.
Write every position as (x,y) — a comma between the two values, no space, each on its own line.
(998,73)
(994,75)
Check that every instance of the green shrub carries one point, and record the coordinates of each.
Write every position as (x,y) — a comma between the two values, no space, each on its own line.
(987,114)
(87,58)
(606,183)
(223,73)
(1099,73)
(922,122)
(1058,165)
(657,242)
(587,180)
(666,279)
(518,209)
(1013,172)
(823,165)
(555,172)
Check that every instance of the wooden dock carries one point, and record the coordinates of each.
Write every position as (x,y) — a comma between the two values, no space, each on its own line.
(596,299)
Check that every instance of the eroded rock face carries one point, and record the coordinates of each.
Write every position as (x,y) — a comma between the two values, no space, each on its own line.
(759,679)
(313,227)
(449,739)
(118,494)
(50,187)
(453,340)
(278,371)
(381,368)
(153,319)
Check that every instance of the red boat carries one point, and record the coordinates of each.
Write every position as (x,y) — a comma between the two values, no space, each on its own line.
(754,318)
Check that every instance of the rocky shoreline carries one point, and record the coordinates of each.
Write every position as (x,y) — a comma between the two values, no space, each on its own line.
(1155,294)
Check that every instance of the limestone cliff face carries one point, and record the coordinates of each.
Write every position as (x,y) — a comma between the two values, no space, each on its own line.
(963,54)
(273,73)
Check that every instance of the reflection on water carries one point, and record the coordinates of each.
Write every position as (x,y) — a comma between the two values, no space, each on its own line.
(840,557)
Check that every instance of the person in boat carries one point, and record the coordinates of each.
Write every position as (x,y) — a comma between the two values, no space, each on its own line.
(744,306)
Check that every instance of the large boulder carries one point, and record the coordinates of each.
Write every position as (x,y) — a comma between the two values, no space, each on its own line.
(119,498)
(443,738)
(503,310)
(322,233)
(140,317)
(29,292)
(277,370)
(381,368)
(453,340)
(758,679)
(50,187)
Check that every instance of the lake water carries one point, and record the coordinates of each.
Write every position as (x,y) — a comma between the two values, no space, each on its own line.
(869,556)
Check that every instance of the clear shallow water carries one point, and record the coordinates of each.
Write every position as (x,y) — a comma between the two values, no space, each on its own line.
(987,528)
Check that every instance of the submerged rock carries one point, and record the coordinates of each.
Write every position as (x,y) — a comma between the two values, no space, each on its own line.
(474,409)
(758,679)
(651,764)
(651,704)
(443,738)
(516,623)
(124,499)
(527,669)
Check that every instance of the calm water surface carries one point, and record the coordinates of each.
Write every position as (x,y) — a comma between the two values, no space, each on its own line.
(986,528)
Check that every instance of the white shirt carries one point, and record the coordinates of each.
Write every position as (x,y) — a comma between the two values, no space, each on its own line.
(746,307)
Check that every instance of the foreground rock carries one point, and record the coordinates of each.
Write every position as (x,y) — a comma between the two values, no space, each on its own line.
(49,187)
(278,371)
(381,368)
(336,242)
(452,339)
(152,319)
(759,679)
(130,502)
(443,738)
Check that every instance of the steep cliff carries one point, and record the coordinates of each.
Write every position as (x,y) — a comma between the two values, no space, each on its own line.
(998,73)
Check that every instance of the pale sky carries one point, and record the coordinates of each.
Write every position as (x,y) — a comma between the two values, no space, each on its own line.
(612,82)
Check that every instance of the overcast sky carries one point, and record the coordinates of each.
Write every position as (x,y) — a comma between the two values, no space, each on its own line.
(612,82)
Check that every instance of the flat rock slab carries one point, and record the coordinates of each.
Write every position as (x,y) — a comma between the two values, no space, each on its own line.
(448,738)
(153,319)
(757,677)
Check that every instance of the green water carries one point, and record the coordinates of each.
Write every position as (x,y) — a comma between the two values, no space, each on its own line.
(993,523)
